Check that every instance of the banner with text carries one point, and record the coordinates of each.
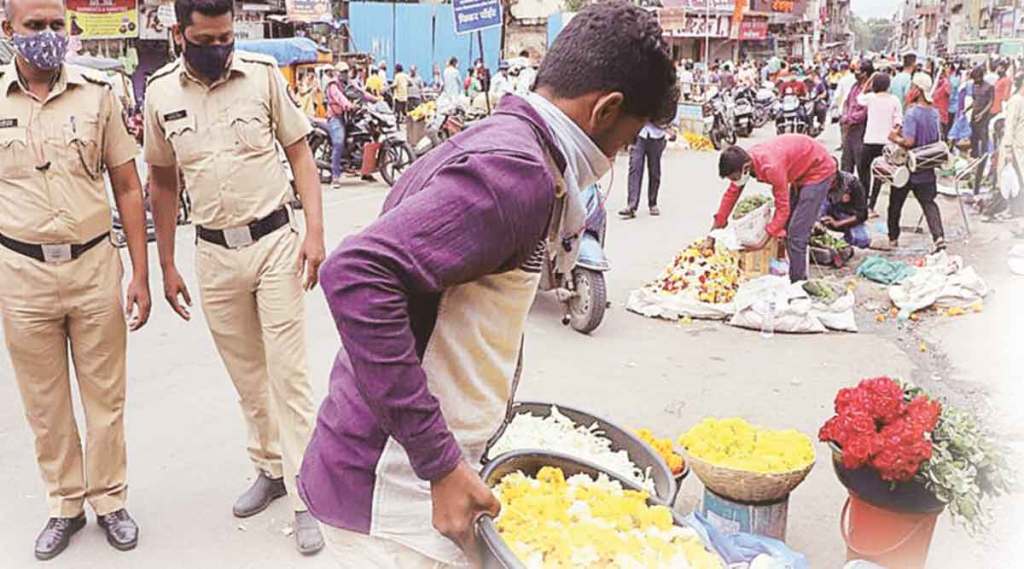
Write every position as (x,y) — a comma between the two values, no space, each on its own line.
(308,10)
(103,19)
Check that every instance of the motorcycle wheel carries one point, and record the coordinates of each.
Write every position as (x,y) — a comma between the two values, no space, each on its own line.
(730,137)
(716,140)
(322,156)
(395,157)
(586,309)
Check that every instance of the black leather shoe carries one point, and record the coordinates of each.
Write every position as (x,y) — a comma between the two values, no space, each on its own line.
(56,536)
(122,531)
(256,499)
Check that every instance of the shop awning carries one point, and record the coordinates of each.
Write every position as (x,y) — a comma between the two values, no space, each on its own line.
(286,51)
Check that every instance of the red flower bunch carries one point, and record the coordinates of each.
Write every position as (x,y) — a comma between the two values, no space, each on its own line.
(876,426)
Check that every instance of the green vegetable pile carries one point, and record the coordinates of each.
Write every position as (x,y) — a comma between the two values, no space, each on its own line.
(828,240)
(821,290)
(749,204)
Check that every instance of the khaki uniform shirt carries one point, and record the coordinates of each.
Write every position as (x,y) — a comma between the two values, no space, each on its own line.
(222,137)
(53,154)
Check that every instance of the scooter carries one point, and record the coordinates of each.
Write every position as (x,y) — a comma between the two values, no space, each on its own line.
(764,104)
(743,112)
(583,292)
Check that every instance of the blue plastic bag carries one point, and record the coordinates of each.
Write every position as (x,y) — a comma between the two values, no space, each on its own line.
(744,547)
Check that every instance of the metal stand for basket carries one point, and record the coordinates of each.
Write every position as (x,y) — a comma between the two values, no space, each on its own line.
(959,177)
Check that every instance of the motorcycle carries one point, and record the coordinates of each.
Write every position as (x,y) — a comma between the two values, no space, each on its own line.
(743,113)
(718,120)
(446,123)
(764,105)
(816,112)
(790,117)
(583,291)
(117,235)
(372,144)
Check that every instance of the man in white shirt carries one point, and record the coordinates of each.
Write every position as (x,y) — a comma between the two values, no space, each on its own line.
(527,75)
(843,87)
(501,85)
(452,79)
(649,146)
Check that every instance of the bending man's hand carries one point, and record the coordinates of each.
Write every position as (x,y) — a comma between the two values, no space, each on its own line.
(459,499)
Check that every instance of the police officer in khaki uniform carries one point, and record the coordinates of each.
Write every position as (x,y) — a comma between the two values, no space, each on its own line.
(216,115)
(61,132)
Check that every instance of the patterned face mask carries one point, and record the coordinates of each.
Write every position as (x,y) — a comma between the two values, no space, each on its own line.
(43,50)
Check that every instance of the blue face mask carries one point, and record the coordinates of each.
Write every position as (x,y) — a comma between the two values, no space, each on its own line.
(43,50)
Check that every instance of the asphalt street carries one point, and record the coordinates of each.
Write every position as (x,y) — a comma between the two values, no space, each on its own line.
(186,437)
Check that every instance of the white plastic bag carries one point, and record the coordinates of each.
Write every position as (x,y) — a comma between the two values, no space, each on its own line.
(838,315)
(1009,183)
(653,304)
(751,229)
(793,306)
(943,281)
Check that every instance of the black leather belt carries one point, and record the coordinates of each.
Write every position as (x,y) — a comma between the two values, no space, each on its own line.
(58,253)
(238,237)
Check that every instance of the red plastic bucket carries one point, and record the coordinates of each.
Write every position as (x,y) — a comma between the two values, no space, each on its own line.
(895,540)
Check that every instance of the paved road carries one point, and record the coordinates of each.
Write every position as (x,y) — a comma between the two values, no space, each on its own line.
(186,436)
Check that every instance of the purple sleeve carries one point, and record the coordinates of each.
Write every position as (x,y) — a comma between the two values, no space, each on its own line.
(478,216)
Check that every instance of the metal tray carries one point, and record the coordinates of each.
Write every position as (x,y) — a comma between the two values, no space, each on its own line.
(494,552)
(665,486)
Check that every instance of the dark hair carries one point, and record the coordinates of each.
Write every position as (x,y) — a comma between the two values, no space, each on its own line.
(732,161)
(614,46)
(867,66)
(398,68)
(880,83)
(183,9)
(453,61)
(524,53)
(909,60)
(978,73)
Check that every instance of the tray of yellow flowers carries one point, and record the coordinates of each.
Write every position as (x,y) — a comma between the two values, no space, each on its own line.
(745,462)
(557,511)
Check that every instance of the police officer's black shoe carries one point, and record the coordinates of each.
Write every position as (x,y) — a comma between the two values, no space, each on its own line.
(122,531)
(256,499)
(56,536)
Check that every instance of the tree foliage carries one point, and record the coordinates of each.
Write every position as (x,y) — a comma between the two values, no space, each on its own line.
(873,34)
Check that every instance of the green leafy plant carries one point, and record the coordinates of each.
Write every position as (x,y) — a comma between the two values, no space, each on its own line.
(968,465)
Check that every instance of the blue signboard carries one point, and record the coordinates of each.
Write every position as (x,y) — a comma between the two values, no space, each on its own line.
(476,15)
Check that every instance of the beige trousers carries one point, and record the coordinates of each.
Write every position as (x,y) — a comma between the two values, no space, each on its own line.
(253,301)
(47,310)
(353,550)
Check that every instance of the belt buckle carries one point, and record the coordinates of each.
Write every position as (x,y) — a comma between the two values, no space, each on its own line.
(57,253)
(238,237)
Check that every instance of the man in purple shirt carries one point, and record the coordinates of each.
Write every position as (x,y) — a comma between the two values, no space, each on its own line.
(431,300)
(854,120)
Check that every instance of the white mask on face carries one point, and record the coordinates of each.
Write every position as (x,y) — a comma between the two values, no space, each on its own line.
(744,178)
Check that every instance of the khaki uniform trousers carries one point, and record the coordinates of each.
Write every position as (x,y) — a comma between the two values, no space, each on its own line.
(48,308)
(253,301)
(352,550)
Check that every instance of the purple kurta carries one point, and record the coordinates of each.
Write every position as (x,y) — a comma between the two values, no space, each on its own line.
(475,207)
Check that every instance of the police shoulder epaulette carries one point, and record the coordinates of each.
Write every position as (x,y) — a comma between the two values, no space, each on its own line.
(250,57)
(93,76)
(164,71)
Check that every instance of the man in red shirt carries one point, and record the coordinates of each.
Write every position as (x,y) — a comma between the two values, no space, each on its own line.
(794,162)
(1003,86)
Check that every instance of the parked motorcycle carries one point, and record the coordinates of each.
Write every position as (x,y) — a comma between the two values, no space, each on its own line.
(764,105)
(446,123)
(718,120)
(371,129)
(117,235)
(743,112)
(583,291)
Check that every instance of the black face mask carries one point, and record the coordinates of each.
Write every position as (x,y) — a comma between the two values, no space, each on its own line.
(209,61)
